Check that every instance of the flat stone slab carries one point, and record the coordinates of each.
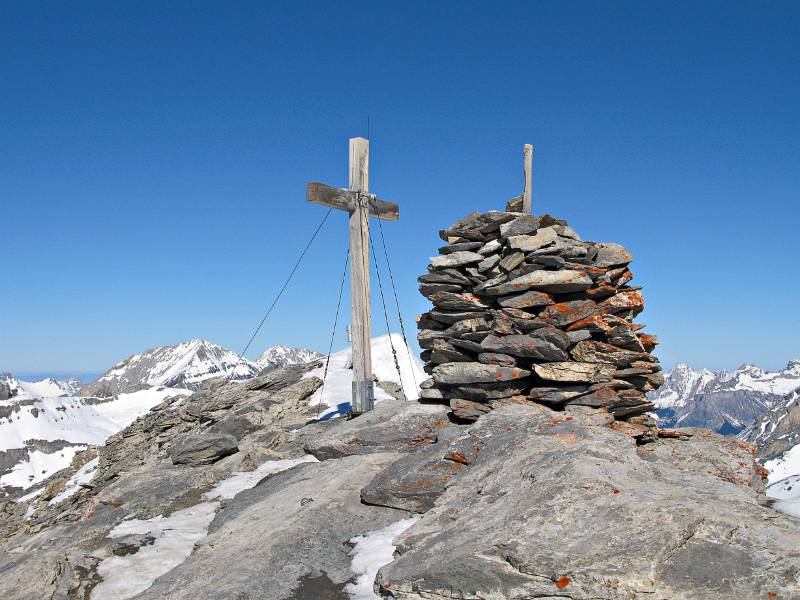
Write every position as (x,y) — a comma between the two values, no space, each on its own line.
(393,426)
(627,300)
(600,352)
(522,225)
(474,372)
(526,300)
(204,448)
(576,372)
(526,346)
(564,313)
(414,482)
(545,281)
(468,410)
(453,301)
(529,243)
(612,255)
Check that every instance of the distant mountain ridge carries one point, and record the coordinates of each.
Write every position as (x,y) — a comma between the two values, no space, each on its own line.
(186,365)
(280,356)
(183,365)
(727,402)
(16,386)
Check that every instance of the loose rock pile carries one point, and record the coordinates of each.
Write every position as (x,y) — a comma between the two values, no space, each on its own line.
(524,310)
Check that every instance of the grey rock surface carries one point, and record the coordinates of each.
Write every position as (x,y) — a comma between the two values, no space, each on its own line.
(529,243)
(522,225)
(611,255)
(552,507)
(527,346)
(415,481)
(528,299)
(204,448)
(392,427)
(577,372)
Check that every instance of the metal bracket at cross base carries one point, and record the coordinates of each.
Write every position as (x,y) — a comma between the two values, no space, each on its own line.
(363,396)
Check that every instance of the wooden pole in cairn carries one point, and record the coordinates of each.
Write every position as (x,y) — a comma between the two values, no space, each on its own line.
(527,159)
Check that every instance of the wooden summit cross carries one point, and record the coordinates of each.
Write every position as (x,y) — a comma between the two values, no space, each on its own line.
(361,205)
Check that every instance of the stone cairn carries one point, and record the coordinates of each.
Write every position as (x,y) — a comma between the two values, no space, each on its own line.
(524,310)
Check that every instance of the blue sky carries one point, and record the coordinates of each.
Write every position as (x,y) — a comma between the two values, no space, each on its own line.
(154,158)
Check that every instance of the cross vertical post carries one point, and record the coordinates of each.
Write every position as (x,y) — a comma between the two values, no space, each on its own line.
(363,393)
(360,205)
(527,159)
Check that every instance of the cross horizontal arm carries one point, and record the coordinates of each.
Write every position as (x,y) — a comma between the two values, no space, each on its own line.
(325,195)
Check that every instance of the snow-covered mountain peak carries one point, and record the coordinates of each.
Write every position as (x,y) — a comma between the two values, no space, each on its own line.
(681,383)
(751,370)
(793,366)
(280,356)
(183,365)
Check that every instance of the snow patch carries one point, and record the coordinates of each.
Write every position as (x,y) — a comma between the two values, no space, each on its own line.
(175,536)
(75,421)
(334,398)
(244,480)
(83,475)
(787,493)
(184,364)
(38,467)
(280,356)
(78,420)
(372,551)
(785,465)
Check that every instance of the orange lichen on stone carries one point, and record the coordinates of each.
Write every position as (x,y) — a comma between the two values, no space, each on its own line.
(459,458)
(592,323)
(562,582)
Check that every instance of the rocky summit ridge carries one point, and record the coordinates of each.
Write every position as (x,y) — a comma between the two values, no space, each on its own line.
(237,491)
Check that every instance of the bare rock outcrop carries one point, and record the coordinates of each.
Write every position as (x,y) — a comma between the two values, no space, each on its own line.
(552,505)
